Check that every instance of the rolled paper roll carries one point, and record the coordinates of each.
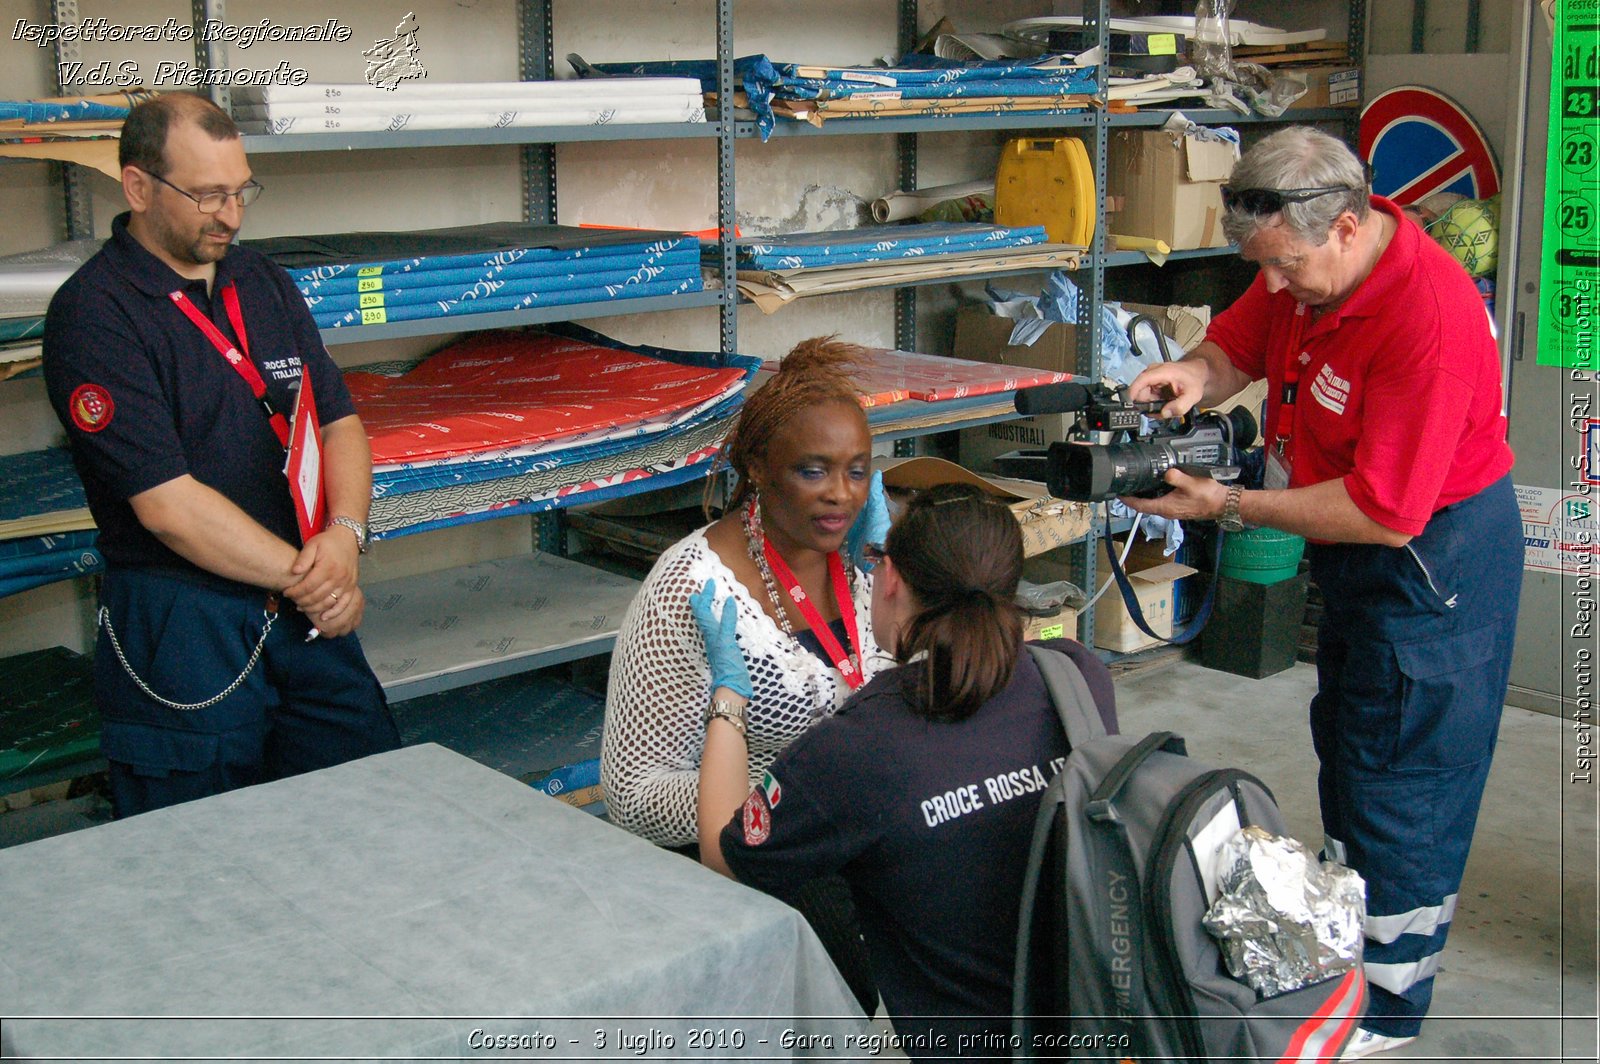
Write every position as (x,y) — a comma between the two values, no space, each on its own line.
(902,204)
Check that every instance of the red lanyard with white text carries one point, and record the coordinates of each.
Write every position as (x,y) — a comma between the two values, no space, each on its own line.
(849,667)
(239,361)
(1294,360)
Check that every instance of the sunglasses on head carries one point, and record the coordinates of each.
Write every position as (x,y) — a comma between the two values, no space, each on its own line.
(1272,200)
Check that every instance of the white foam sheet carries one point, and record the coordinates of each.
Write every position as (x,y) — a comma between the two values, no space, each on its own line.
(427,893)
(476,621)
(562,88)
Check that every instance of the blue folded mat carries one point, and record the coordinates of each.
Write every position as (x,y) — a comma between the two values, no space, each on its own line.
(541,282)
(597,293)
(880,243)
(40,482)
(37,560)
(420,272)
(530,726)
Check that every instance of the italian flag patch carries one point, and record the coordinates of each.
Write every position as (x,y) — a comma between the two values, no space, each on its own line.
(770,788)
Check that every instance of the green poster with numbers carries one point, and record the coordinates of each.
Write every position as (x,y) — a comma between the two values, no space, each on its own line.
(1569,280)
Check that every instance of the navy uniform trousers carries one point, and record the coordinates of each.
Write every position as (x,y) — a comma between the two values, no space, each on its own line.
(1413,657)
(304,706)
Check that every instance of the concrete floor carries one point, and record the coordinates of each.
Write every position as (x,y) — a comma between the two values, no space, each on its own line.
(1521,955)
(1518,978)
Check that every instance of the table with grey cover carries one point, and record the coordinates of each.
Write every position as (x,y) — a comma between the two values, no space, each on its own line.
(414,905)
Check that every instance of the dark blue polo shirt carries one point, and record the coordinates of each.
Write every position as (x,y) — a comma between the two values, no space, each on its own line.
(145,397)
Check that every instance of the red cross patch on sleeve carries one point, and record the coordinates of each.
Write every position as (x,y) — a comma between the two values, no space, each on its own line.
(757,819)
(91,407)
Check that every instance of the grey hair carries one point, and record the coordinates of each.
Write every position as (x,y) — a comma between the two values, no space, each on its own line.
(1299,157)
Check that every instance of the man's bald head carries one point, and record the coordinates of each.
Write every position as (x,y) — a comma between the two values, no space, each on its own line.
(144,134)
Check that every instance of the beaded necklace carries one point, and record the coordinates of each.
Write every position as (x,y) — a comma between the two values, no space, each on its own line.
(755,538)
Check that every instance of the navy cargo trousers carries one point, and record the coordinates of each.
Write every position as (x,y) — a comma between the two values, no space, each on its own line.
(304,706)
(1413,657)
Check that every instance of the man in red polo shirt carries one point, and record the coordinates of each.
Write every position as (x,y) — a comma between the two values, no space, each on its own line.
(1387,450)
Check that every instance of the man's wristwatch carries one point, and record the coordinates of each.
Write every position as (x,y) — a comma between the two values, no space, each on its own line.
(363,534)
(732,712)
(1230,521)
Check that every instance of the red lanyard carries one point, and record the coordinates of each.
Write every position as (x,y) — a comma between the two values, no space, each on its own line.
(239,361)
(849,667)
(1291,377)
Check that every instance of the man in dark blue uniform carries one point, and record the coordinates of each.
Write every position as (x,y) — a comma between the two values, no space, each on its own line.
(226,655)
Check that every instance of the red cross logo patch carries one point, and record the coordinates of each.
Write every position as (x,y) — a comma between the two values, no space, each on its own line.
(757,819)
(91,407)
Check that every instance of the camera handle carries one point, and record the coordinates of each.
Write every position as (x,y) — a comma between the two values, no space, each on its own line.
(1201,616)
(1187,421)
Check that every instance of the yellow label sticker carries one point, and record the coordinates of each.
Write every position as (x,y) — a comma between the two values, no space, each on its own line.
(1163,43)
(371,299)
(1053,631)
(369,271)
(369,284)
(376,316)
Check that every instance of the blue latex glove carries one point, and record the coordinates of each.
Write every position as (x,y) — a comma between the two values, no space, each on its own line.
(722,648)
(871,524)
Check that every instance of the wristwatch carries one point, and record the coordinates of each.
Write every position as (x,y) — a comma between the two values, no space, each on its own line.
(363,535)
(1230,521)
(732,712)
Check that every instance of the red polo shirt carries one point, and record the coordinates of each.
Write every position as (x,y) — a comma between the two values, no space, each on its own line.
(1399,390)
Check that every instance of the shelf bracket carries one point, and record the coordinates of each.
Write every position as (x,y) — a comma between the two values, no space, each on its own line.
(727,217)
(535,41)
(211,55)
(905,299)
(79,208)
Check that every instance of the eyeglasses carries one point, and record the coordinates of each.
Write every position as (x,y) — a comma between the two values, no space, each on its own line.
(1262,201)
(212,202)
(873,553)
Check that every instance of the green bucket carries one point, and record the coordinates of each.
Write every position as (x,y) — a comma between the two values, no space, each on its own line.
(1261,555)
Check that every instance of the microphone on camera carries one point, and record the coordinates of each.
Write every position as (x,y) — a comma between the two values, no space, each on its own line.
(1061,398)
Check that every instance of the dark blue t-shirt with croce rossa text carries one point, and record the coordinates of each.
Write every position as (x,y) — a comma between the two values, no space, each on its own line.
(930,824)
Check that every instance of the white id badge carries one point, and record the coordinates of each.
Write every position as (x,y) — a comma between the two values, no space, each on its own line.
(1276,476)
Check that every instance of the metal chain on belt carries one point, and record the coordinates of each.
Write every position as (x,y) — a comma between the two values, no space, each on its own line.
(104,620)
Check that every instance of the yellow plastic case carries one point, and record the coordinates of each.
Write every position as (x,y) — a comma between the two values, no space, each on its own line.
(1047,181)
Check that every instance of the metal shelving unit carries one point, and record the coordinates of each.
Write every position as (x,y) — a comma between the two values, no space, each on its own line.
(540,190)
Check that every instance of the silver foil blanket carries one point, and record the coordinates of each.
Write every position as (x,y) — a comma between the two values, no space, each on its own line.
(1283,919)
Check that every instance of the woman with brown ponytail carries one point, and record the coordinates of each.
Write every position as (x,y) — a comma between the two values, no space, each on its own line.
(922,790)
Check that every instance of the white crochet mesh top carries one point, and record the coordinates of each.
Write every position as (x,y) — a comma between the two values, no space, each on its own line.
(660,684)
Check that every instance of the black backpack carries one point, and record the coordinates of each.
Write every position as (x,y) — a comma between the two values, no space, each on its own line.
(1112,960)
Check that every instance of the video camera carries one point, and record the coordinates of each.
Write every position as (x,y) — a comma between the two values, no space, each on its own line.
(1119,447)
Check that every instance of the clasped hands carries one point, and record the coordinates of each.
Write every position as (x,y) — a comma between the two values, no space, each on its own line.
(325,589)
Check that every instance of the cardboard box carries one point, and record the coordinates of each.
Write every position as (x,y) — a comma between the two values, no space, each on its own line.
(982,337)
(1060,625)
(1046,523)
(1327,86)
(1170,187)
(1155,588)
